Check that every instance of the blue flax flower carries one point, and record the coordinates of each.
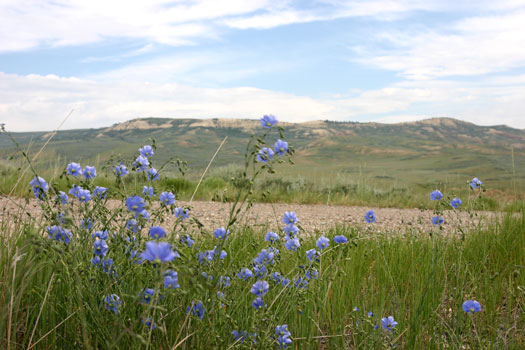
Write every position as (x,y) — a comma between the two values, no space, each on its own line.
(290,218)
(283,336)
(181,213)
(148,323)
(291,230)
(197,310)
(148,191)
(224,281)
(74,190)
(245,274)
(100,235)
(187,240)
(59,233)
(471,306)
(300,283)
(167,198)
(157,232)
(475,183)
(292,244)
(259,271)
(280,147)
(221,233)
(436,195)
(260,288)
(120,170)
(84,195)
(39,186)
(312,254)
(87,224)
(146,151)
(340,239)
(265,154)
(135,204)
(141,163)
(146,295)
(112,302)
(437,220)
(322,243)
(100,192)
(311,273)
(158,252)
(370,216)
(153,174)
(132,225)
(243,335)
(100,247)
(89,172)
(370,314)
(271,237)
(265,257)
(268,121)
(63,197)
(388,323)
(455,203)
(258,303)
(73,169)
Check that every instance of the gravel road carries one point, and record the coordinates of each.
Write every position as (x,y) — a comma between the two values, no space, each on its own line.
(312,218)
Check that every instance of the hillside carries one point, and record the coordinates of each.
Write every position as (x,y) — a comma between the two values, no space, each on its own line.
(418,153)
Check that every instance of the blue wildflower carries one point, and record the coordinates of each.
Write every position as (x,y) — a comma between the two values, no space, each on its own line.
(265,257)
(280,147)
(276,276)
(74,190)
(224,281)
(285,282)
(260,288)
(289,218)
(146,151)
(158,252)
(437,220)
(148,323)
(59,233)
(311,273)
(106,265)
(388,323)
(243,335)
(197,310)
(475,183)
(89,172)
(292,244)
(221,233)
(133,225)
(146,295)
(73,169)
(63,197)
(322,243)
(181,213)
(291,230)
(265,154)
(100,192)
(87,224)
(312,254)
(300,283)
(148,191)
(340,239)
(370,216)
(167,198)
(153,174)
(120,170)
(96,260)
(455,203)
(268,121)
(187,240)
(245,274)
(144,214)
(223,255)
(436,195)
(259,271)
(100,247)
(84,195)
(39,186)
(370,314)
(283,336)
(271,237)
(112,302)
(141,163)
(100,235)
(135,204)
(258,303)
(157,232)
(471,306)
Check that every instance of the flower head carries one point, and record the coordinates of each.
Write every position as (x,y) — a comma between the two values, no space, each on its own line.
(112,302)
(437,220)
(100,192)
(100,247)
(148,191)
(132,225)
(63,197)
(153,174)
(436,195)
(84,195)
(135,204)
(157,232)
(292,244)
(89,172)
(197,309)
(146,151)
(370,216)
(59,233)
(475,183)
(455,203)
(340,239)
(245,274)
(73,169)
(141,163)
(39,186)
(322,243)
(312,254)
(268,121)
(158,252)
(260,288)
(283,336)
(167,198)
(265,154)
(221,233)
(388,323)
(121,170)
(187,240)
(291,230)
(280,147)
(471,306)
(146,295)
(290,218)
(100,235)
(264,257)
(181,213)
(271,237)
(258,303)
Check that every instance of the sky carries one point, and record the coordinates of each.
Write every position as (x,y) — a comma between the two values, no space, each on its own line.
(358,60)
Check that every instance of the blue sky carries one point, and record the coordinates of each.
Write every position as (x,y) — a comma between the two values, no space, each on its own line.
(374,60)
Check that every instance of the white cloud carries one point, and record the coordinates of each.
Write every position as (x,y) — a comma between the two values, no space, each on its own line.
(36,102)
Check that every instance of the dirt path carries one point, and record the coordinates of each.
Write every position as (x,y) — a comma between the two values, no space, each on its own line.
(311,217)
